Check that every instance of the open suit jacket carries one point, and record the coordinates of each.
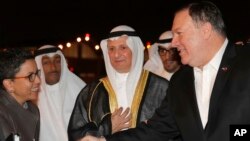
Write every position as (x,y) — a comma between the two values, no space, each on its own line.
(178,116)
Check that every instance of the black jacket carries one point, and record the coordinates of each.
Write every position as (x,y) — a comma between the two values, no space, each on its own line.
(16,120)
(179,116)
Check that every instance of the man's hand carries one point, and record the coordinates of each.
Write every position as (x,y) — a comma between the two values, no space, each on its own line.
(120,120)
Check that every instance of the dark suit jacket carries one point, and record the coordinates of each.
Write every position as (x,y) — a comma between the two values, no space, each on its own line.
(178,117)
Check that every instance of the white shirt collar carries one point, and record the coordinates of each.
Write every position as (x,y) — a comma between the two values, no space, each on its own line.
(216,60)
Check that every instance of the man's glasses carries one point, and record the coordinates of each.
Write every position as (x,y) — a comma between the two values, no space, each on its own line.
(31,77)
(163,51)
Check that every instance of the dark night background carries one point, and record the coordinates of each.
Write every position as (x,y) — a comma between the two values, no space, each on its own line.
(34,23)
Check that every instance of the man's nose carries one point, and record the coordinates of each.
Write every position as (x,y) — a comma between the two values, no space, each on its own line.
(175,42)
(53,66)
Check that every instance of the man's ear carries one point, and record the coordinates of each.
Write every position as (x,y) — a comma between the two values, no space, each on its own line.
(207,30)
(8,85)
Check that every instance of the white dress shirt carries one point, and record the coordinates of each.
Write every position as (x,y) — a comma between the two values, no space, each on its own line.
(204,82)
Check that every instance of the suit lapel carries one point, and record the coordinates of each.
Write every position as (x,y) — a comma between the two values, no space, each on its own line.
(190,88)
(225,69)
(186,108)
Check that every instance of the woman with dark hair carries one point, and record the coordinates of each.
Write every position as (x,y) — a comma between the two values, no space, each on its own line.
(20,82)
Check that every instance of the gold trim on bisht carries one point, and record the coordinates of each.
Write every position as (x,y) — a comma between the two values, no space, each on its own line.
(112,96)
(138,96)
(90,103)
(136,99)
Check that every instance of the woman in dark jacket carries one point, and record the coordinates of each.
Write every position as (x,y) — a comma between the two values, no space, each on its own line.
(19,77)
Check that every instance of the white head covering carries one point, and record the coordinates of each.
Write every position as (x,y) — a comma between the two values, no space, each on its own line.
(154,64)
(137,48)
(54,118)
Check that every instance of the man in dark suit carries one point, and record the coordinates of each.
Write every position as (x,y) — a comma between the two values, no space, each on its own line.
(207,95)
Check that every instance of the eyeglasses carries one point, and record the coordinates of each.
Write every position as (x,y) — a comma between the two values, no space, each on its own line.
(31,77)
(163,51)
